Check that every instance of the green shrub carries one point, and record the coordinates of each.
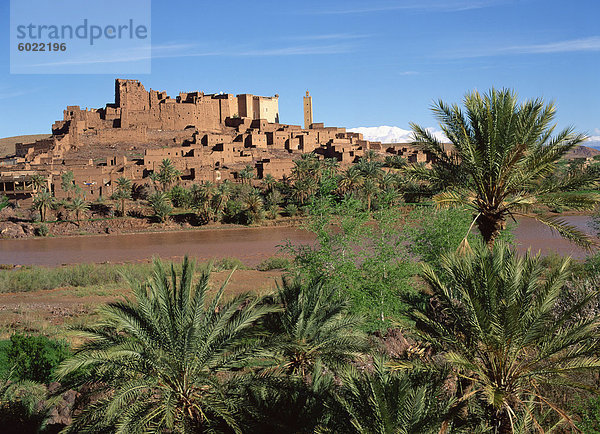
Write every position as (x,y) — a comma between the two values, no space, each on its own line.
(5,365)
(35,357)
(291,210)
(180,197)
(590,416)
(230,264)
(23,407)
(274,263)
(42,230)
(38,278)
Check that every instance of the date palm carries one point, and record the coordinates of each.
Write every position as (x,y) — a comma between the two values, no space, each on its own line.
(247,174)
(502,160)
(42,201)
(221,198)
(493,318)
(159,362)
(166,175)
(387,401)
(39,182)
(123,192)
(269,182)
(314,327)
(350,179)
(78,206)
(161,206)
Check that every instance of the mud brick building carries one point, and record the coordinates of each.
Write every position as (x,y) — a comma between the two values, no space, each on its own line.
(208,137)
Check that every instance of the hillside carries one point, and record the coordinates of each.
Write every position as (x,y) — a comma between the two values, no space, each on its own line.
(582,152)
(7,145)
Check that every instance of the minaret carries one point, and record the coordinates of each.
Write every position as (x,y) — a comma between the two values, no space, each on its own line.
(308,118)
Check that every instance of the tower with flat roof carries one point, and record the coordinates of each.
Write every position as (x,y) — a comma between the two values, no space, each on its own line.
(308,114)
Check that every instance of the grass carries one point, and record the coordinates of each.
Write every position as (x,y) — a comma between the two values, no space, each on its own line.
(36,278)
(274,263)
(92,277)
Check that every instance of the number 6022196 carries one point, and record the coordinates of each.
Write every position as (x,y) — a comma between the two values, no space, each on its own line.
(42,46)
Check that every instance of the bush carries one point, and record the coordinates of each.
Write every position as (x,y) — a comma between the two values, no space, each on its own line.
(274,263)
(39,278)
(35,357)
(42,230)
(590,416)
(291,210)
(23,407)
(180,197)
(230,264)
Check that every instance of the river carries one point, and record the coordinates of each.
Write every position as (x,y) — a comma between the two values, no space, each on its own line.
(251,245)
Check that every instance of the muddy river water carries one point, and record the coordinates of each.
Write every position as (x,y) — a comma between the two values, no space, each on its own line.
(251,245)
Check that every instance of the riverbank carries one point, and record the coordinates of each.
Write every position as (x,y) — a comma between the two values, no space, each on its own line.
(52,312)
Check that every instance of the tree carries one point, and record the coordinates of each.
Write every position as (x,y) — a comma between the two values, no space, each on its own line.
(157,361)
(42,201)
(370,189)
(222,197)
(254,207)
(313,327)
(501,161)
(167,174)
(160,204)
(123,192)
(388,401)
(247,174)
(39,182)
(78,206)
(269,182)
(492,317)
(4,202)
(350,180)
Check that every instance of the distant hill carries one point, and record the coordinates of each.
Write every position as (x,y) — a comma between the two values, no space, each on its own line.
(582,152)
(7,145)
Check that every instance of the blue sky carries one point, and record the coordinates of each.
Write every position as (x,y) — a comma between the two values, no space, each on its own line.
(365,63)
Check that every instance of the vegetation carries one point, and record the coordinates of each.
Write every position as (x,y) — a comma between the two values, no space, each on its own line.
(494,321)
(35,358)
(123,192)
(159,357)
(502,158)
(397,320)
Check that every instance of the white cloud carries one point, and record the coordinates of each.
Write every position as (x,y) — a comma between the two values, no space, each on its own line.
(415,5)
(589,44)
(390,134)
(593,141)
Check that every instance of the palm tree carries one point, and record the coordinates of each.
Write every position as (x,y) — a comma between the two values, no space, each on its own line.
(388,401)
(160,204)
(222,197)
(493,317)
(370,189)
(269,182)
(254,207)
(39,182)
(314,327)
(67,182)
(247,174)
(167,174)
(78,206)
(123,192)
(42,201)
(370,169)
(501,162)
(304,189)
(349,180)
(158,362)
(308,166)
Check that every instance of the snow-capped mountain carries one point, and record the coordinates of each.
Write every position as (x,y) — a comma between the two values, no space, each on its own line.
(389,134)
